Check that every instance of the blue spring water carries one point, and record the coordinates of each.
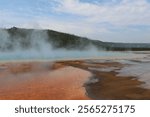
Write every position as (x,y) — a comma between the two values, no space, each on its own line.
(57,54)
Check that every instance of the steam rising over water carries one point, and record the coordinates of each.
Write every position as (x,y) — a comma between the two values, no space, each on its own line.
(54,54)
(40,48)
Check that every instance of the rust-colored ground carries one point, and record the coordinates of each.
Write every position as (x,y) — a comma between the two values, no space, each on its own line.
(67,80)
(24,81)
(111,86)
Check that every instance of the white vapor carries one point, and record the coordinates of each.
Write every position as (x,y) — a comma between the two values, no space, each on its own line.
(39,48)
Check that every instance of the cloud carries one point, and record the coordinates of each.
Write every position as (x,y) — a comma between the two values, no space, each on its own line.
(106,20)
(126,12)
(30,20)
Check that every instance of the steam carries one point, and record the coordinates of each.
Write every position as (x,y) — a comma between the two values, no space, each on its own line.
(36,46)
(4,40)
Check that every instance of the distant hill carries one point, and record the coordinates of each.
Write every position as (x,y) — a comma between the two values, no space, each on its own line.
(26,38)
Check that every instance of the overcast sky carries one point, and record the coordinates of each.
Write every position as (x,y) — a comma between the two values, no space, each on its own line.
(105,20)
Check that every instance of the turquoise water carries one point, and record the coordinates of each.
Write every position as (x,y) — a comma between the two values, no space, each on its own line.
(57,54)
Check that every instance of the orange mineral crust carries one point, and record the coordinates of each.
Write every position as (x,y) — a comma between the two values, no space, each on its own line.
(39,81)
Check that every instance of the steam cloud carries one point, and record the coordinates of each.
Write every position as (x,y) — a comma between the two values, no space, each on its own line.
(36,46)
